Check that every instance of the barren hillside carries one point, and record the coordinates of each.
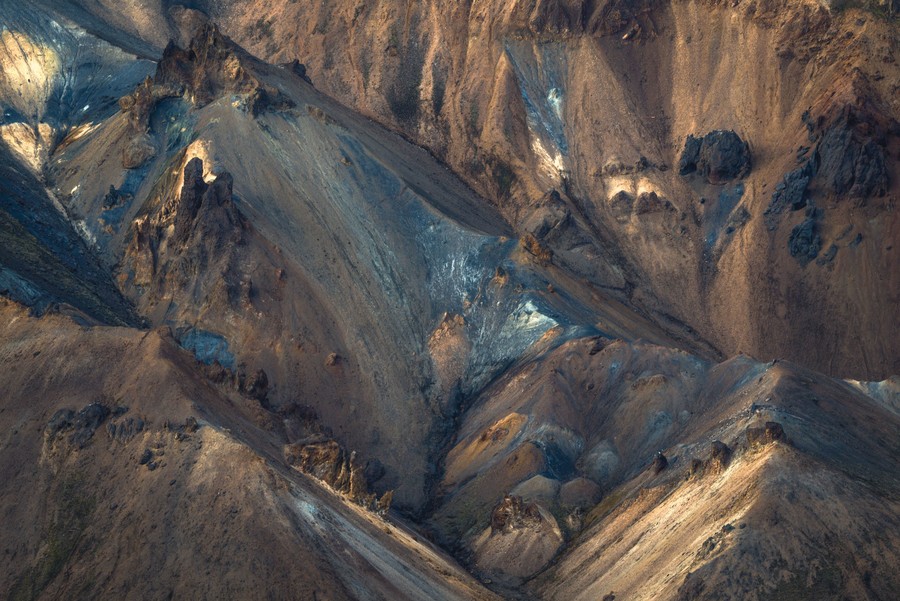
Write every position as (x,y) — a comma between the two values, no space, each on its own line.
(379,300)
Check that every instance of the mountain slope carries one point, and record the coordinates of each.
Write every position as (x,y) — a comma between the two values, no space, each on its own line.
(591,99)
(517,332)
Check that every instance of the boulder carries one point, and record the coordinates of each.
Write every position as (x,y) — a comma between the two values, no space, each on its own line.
(720,455)
(719,156)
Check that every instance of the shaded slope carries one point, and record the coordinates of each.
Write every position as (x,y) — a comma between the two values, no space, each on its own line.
(214,499)
(42,258)
(354,249)
(805,463)
(590,99)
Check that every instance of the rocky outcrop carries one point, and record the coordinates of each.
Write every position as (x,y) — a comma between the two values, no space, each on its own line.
(206,209)
(329,462)
(521,540)
(791,192)
(720,156)
(719,455)
(79,427)
(850,157)
(659,463)
(768,434)
(805,242)
(189,200)
(209,67)
(514,513)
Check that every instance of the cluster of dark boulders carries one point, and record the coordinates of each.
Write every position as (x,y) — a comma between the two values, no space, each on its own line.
(720,156)
(255,385)
(805,242)
(790,193)
(848,160)
(79,426)
(124,430)
(114,198)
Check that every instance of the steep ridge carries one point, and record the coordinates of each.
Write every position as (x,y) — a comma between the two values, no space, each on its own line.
(588,100)
(356,250)
(635,455)
(546,399)
(160,484)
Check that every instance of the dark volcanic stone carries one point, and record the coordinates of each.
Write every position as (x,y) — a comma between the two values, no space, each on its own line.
(61,420)
(720,453)
(257,385)
(774,431)
(660,463)
(850,161)
(719,156)
(805,241)
(690,155)
(190,200)
(299,69)
(82,424)
(791,193)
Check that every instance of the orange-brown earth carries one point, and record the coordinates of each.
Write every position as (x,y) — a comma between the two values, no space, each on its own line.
(246,315)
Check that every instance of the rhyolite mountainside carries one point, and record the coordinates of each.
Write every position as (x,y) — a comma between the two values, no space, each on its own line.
(554,299)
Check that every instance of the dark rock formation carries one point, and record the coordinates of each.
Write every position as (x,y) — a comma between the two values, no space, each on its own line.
(805,242)
(81,425)
(115,198)
(719,455)
(659,463)
(211,65)
(329,462)
(650,202)
(126,429)
(512,513)
(298,69)
(190,200)
(256,385)
(791,192)
(207,208)
(850,156)
(771,432)
(719,156)
(138,105)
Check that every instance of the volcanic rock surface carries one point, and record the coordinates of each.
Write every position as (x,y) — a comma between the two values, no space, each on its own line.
(552,300)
